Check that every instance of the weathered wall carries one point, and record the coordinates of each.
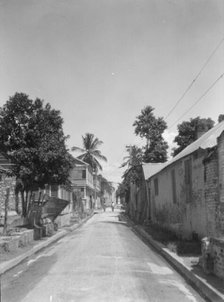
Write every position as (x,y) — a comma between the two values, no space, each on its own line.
(212,259)
(180,204)
(7,182)
(164,209)
(211,192)
(220,210)
(138,204)
(195,215)
(218,256)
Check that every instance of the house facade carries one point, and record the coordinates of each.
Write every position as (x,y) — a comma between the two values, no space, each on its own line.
(81,177)
(97,191)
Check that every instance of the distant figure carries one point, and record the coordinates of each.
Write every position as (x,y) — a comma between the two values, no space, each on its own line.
(112,206)
(104,206)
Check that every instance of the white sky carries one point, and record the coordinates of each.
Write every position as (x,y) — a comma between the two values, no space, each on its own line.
(100,62)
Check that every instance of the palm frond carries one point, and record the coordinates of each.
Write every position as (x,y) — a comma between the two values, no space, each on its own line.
(90,151)
(96,143)
(98,155)
(124,164)
(98,165)
(77,149)
(87,141)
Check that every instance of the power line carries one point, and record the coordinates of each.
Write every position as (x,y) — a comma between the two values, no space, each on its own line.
(195,79)
(199,99)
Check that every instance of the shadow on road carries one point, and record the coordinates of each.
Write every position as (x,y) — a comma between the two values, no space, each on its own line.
(16,288)
(114,222)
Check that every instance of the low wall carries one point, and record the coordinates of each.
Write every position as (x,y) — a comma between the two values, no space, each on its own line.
(218,256)
(18,239)
(213,256)
(63,219)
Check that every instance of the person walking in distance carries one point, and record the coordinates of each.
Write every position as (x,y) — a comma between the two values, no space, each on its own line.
(104,206)
(112,206)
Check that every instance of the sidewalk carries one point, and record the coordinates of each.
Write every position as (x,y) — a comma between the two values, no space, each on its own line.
(210,287)
(37,246)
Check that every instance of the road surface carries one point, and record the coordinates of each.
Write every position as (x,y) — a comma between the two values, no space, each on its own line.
(101,261)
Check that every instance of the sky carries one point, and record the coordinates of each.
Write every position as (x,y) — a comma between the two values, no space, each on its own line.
(100,62)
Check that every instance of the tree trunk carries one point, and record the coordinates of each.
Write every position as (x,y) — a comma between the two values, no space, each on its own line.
(17,202)
(6,211)
(23,204)
(30,200)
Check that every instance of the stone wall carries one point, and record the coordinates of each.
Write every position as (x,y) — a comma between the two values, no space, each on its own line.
(211,192)
(212,259)
(7,182)
(220,210)
(221,166)
(217,251)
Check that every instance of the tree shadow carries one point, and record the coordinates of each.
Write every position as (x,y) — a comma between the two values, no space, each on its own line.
(115,222)
(16,288)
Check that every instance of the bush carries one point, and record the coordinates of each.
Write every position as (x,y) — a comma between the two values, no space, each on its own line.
(192,248)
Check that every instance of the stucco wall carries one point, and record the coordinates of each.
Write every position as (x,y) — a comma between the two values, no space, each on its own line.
(185,213)
(220,210)
(138,204)
(164,209)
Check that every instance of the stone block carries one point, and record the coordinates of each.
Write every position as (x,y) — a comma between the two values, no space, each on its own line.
(9,243)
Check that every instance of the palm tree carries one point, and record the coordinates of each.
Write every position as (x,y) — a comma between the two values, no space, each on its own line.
(133,162)
(90,152)
(134,157)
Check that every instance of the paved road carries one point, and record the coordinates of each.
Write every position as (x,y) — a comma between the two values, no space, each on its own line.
(102,261)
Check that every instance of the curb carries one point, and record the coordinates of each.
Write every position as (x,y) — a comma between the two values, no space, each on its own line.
(8,265)
(207,291)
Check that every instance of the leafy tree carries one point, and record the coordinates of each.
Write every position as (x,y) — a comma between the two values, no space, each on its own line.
(132,174)
(221,118)
(149,127)
(106,186)
(188,132)
(123,191)
(90,152)
(32,138)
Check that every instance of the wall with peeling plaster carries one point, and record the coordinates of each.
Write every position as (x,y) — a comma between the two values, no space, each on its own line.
(194,205)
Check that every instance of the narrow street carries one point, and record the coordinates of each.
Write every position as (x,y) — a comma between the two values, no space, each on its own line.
(101,261)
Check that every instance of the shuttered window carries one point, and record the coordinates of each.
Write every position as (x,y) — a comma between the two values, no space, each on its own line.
(83,174)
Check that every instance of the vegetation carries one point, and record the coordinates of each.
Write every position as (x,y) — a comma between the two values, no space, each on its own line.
(187,132)
(134,156)
(151,128)
(90,152)
(32,138)
(106,186)
(133,162)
